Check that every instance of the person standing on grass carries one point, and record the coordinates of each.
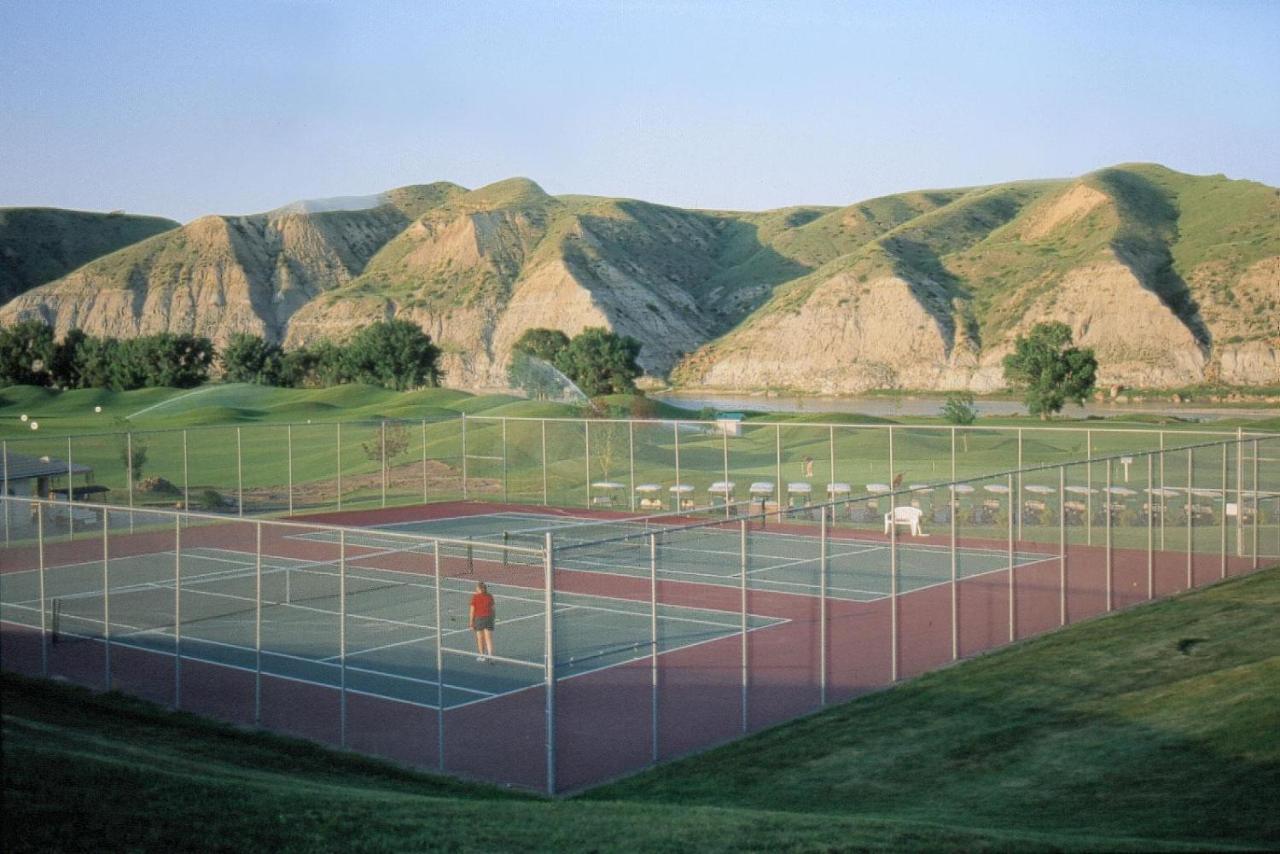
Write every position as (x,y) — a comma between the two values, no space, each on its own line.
(481,621)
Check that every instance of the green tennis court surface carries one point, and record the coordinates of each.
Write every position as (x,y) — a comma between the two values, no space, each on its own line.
(387,639)
(780,561)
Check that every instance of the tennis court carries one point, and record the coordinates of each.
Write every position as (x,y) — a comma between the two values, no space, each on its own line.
(381,637)
(784,558)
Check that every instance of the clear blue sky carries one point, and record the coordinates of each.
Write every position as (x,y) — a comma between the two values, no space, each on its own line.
(186,108)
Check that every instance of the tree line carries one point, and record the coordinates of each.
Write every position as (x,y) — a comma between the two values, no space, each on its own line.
(394,354)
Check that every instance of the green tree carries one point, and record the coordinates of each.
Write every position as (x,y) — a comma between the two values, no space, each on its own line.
(134,457)
(394,354)
(26,351)
(250,358)
(64,367)
(1049,370)
(96,362)
(600,362)
(544,344)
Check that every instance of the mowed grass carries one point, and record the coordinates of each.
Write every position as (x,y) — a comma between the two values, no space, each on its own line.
(1154,729)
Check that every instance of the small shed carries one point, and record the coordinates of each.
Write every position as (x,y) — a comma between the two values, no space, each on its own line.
(25,476)
(730,423)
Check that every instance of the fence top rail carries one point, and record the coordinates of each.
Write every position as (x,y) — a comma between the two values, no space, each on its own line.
(669,422)
(195,428)
(423,539)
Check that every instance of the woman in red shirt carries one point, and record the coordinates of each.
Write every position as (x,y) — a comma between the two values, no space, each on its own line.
(481,620)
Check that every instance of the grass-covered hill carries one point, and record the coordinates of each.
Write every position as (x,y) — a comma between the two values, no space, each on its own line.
(1169,277)
(1173,279)
(39,245)
(1154,729)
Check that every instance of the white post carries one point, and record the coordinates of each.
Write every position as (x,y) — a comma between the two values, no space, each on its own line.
(177,611)
(424,461)
(257,625)
(71,491)
(186,474)
(1151,529)
(1012,589)
(506,487)
(1164,505)
(44,626)
(340,468)
(631,461)
(953,506)
(382,452)
(675,427)
(545,500)
(1190,508)
(1016,500)
(779,486)
(1255,503)
(1239,513)
(831,449)
(724,444)
(550,666)
(1062,545)
(128,475)
(106,603)
(1106,508)
(893,585)
(1088,482)
(464,456)
(4,463)
(586,432)
(1239,493)
(822,611)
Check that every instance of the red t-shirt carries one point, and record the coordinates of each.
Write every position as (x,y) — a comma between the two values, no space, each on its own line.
(483,604)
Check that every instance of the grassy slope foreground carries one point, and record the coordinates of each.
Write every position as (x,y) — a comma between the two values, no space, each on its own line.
(1152,729)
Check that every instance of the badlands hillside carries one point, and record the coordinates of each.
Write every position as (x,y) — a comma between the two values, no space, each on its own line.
(1173,279)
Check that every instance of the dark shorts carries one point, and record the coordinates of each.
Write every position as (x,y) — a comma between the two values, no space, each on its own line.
(484,623)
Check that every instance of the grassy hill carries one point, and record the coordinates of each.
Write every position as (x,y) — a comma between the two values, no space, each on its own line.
(1152,729)
(39,245)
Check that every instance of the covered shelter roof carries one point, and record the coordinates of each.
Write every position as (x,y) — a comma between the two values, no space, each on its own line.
(14,466)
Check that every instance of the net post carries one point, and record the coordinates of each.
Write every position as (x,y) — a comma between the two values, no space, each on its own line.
(1106,507)
(545,497)
(257,624)
(177,610)
(1088,474)
(435,560)
(1012,590)
(506,490)
(186,475)
(1191,455)
(1151,530)
(382,453)
(893,586)
(239,477)
(952,507)
(742,599)
(1222,548)
(338,448)
(1255,491)
(548,563)
(44,626)
(1062,545)
(464,457)
(106,602)
(424,461)
(342,636)
(822,612)
(631,461)
(653,647)
(288,434)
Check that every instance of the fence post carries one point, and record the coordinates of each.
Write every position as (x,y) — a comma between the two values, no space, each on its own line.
(239,477)
(724,444)
(128,475)
(953,506)
(177,611)
(742,595)
(831,448)
(340,467)
(464,456)
(892,475)
(382,453)
(545,499)
(1151,530)
(288,435)
(777,452)
(506,488)
(257,625)
(342,637)
(893,585)
(1164,505)
(106,603)
(631,462)
(1012,591)
(1222,549)
(675,428)
(1239,493)
(44,603)
(4,462)
(424,461)
(550,666)
(71,491)
(1190,513)
(1018,502)
(1255,504)
(1062,545)
(1106,507)
(435,559)
(822,612)
(1088,474)
(653,645)
(586,433)
(953,460)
